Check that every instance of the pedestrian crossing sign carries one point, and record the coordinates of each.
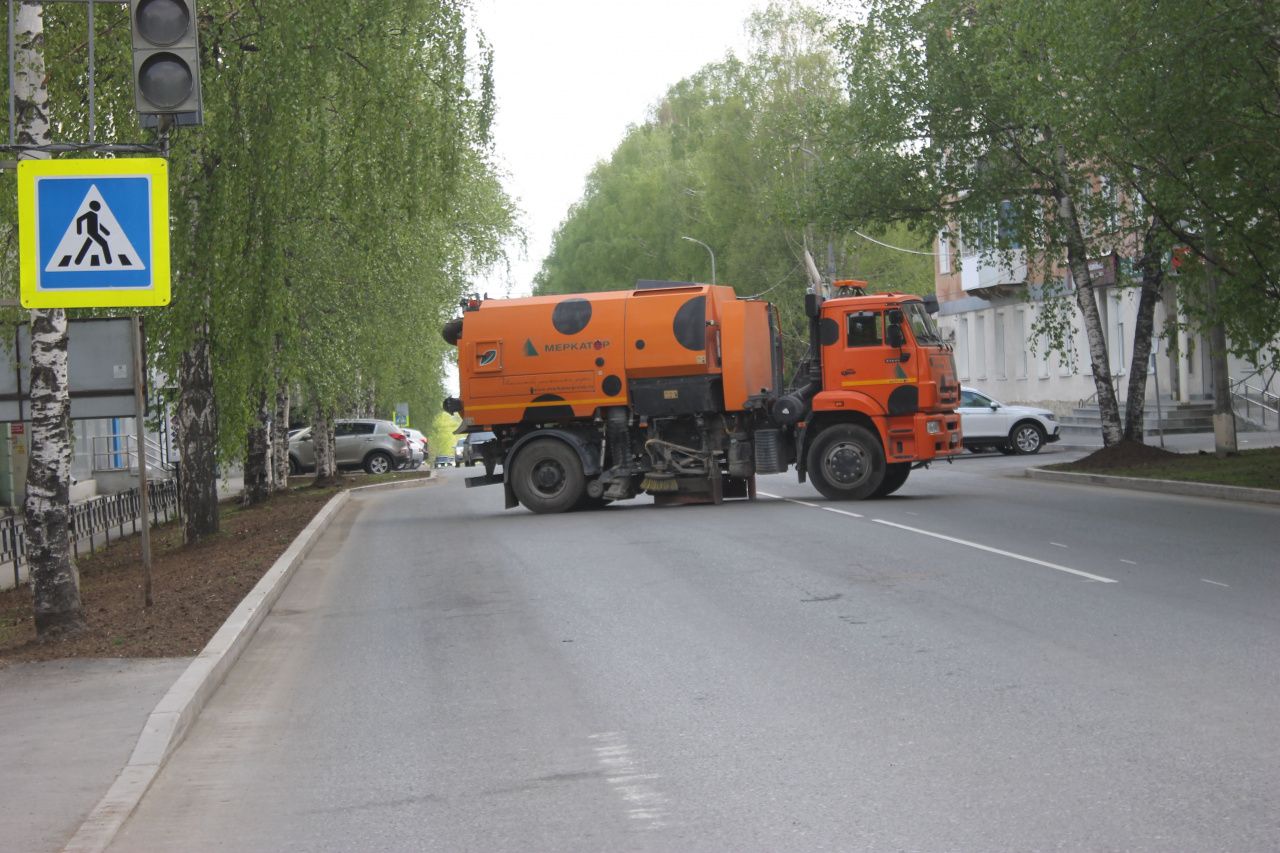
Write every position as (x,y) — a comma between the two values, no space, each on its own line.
(93,233)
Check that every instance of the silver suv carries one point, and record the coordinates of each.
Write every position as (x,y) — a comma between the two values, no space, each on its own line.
(374,445)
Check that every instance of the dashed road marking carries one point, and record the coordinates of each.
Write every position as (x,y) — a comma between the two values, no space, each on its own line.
(623,772)
(1215,583)
(1130,562)
(1057,545)
(965,542)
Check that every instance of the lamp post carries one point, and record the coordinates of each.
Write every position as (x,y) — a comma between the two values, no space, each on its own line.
(709,252)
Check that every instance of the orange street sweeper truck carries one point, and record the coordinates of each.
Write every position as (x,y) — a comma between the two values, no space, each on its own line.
(677,390)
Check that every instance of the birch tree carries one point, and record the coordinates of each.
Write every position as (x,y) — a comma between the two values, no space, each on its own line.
(55,581)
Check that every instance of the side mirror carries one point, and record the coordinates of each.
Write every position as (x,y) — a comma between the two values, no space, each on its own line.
(895,316)
(994,405)
(894,337)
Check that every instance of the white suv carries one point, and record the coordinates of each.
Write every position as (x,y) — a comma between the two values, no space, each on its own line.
(989,424)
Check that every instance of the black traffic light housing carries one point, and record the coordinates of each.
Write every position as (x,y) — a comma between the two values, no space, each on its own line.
(166,60)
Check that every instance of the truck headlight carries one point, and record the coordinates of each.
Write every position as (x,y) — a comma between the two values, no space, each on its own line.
(933,427)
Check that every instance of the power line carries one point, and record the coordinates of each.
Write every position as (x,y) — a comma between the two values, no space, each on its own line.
(895,248)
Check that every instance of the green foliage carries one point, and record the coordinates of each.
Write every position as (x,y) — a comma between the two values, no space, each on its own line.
(1155,122)
(729,157)
(440,434)
(329,211)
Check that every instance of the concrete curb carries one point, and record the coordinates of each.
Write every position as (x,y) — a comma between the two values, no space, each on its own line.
(1167,487)
(181,705)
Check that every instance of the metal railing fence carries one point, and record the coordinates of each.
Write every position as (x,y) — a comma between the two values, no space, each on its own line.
(1249,398)
(119,452)
(94,520)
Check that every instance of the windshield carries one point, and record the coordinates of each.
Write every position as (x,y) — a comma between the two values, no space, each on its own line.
(922,325)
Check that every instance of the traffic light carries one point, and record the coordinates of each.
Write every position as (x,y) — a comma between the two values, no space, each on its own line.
(166,60)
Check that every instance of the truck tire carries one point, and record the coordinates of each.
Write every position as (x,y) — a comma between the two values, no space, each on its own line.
(547,476)
(846,462)
(895,475)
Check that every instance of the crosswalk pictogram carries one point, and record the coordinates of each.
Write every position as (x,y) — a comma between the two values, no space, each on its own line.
(94,240)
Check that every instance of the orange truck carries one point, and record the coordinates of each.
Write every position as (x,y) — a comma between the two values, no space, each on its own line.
(677,390)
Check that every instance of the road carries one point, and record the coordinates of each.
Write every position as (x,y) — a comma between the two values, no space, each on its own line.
(982,662)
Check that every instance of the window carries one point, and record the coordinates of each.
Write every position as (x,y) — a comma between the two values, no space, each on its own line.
(1007,227)
(1042,357)
(962,348)
(1021,342)
(922,325)
(944,253)
(1001,369)
(864,329)
(360,428)
(980,347)
(972,399)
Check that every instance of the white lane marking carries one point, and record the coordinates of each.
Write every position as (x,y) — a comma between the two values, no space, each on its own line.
(1130,562)
(965,542)
(843,512)
(989,549)
(1057,544)
(622,770)
(1215,583)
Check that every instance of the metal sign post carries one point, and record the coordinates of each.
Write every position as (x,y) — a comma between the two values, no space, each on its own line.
(144,499)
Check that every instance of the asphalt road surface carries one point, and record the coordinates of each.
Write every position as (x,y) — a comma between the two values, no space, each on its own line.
(980,663)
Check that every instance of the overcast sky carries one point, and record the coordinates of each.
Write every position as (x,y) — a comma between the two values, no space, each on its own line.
(571,75)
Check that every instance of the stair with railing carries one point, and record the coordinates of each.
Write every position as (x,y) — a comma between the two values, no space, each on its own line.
(1084,425)
(1255,402)
(118,453)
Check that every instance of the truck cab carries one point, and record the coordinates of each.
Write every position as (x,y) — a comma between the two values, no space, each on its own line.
(884,370)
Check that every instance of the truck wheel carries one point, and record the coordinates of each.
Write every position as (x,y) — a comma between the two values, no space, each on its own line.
(547,476)
(846,462)
(1027,438)
(895,475)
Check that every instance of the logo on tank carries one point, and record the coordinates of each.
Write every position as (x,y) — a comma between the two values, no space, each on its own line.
(575,346)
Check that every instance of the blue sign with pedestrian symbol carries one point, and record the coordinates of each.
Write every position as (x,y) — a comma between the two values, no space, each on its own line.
(94,233)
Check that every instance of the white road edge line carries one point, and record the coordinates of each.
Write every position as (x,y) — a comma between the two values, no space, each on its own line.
(842,512)
(1215,583)
(965,542)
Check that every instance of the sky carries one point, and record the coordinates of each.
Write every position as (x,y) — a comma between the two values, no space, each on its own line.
(570,77)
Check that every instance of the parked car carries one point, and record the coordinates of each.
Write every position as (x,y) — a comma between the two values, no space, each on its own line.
(374,445)
(472,447)
(444,461)
(987,424)
(419,445)
(459,449)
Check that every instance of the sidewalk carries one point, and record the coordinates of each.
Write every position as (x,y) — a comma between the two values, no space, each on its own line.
(66,729)
(1188,442)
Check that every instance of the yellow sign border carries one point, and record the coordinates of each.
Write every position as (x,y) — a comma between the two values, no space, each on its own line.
(30,293)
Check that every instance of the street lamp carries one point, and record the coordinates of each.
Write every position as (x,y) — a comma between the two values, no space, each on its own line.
(709,252)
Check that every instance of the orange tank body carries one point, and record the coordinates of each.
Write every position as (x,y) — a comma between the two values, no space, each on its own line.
(665,346)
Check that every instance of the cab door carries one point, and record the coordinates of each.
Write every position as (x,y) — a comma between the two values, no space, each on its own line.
(861,360)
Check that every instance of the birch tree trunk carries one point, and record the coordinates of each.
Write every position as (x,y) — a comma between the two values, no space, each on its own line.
(197,431)
(257,463)
(1078,262)
(1144,328)
(280,440)
(1224,416)
(322,442)
(55,581)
